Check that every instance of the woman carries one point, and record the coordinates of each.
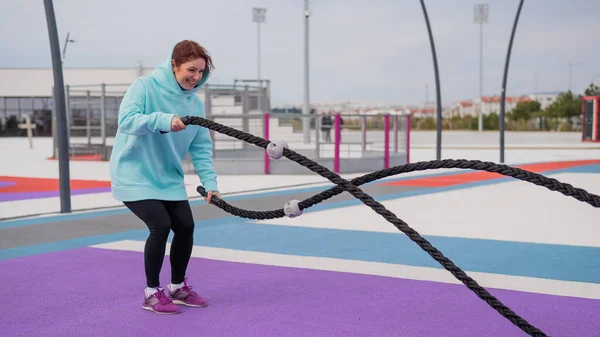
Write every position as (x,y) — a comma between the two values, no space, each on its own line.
(146,167)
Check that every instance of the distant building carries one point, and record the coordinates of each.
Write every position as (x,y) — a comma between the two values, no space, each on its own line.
(545,98)
(29,91)
(491,104)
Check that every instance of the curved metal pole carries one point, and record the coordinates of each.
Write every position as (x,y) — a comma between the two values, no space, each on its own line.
(437,87)
(503,96)
(60,111)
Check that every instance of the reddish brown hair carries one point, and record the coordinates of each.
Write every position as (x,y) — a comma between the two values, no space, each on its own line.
(188,50)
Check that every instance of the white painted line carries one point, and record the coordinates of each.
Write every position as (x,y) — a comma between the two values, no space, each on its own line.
(512,211)
(517,283)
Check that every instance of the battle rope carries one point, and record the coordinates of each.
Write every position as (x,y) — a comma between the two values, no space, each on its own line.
(351,187)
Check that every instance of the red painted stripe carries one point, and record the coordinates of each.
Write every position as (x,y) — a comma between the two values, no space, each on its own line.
(24,184)
(83,157)
(470,177)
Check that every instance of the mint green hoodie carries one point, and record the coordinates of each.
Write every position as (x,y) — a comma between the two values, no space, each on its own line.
(146,164)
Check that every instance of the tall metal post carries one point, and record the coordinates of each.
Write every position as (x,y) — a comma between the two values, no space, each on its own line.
(437,87)
(396,126)
(480,13)
(571,64)
(61,115)
(103,114)
(317,137)
(68,112)
(54,131)
(306,106)
(336,146)
(267,137)
(88,118)
(386,142)
(503,93)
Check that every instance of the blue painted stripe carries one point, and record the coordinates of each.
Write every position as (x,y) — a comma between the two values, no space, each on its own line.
(591,168)
(559,262)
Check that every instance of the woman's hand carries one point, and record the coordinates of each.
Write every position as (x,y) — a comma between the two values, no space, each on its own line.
(210,194)
(177,124)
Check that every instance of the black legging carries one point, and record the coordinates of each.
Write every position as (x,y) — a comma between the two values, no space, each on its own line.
(160,217)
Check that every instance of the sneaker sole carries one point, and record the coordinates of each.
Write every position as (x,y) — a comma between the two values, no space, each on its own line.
(158,312)
(189,305)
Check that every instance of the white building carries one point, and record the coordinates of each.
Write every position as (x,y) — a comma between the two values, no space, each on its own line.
(491,104)
(545,98)
(29,90)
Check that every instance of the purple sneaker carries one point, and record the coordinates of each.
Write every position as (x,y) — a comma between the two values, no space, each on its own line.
(159,303)
(186,296)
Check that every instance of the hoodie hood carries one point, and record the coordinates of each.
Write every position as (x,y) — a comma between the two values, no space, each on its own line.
(163,75)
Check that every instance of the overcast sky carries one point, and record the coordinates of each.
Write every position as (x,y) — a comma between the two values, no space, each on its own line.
(374,51)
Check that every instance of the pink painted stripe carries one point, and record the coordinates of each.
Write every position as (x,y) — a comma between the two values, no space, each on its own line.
(266,136)
(386,156)
(408,121)
(338,136)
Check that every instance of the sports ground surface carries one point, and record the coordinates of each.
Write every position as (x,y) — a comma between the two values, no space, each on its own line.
(340,269)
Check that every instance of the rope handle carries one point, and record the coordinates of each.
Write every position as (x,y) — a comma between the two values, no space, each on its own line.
(213,199)
(185,120)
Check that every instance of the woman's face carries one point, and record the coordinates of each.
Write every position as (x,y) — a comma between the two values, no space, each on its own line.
(188,74)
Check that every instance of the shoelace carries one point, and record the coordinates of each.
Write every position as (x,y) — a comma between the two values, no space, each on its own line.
(162,298)
(187,289)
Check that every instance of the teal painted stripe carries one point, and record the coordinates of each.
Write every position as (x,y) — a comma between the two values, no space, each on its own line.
(138,234)
(22,251)
(59,218)
(123,210)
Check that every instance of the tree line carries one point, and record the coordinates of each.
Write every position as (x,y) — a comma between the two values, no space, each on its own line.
(564,114)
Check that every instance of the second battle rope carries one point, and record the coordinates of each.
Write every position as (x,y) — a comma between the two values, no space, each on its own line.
(351,187)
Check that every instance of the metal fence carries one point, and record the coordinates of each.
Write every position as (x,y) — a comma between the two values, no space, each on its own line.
(353,143)
(92,112)
(350,143)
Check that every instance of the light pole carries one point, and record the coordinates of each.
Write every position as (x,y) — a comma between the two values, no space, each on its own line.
(306,105)
(438,92)
(480,12)
(64,52)
(60,110)
(503,93)
(571,64)
(258,16)
(535,79)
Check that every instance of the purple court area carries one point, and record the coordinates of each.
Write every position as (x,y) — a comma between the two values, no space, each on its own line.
(96,292)
(7,183)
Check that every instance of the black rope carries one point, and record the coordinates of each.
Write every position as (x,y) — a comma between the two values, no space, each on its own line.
(517,173)
(351,187)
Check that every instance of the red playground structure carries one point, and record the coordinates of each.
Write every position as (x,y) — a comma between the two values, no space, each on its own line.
(590,119)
